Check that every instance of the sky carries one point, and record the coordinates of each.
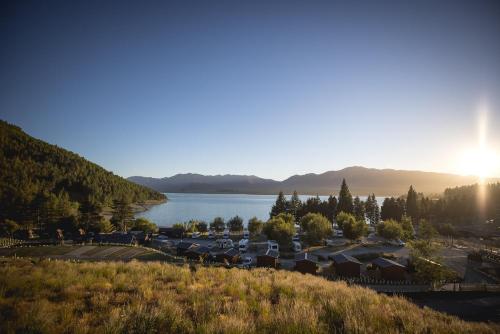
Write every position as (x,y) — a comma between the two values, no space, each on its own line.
(267,88)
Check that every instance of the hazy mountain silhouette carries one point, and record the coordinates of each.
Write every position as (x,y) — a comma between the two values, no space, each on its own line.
(361,181)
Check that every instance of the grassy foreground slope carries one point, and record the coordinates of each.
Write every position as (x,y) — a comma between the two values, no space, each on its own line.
(56,297)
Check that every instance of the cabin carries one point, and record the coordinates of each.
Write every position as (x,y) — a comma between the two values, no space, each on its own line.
(346,266)
(116,238)
(305,264)
(197,253)
(170,232)
(230,256)
(270,259)
(390,270)
(184,246)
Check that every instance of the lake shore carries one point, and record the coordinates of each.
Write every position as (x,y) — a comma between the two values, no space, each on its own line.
(136,207)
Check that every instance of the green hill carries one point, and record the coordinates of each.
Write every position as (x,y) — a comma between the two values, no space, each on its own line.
(37,177)
(115,297)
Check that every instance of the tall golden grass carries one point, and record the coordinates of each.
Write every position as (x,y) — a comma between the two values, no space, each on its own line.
(65,297)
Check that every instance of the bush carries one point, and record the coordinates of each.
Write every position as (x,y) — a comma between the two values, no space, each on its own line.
(351,228)
(278,229)
(390,229)
(354,229)
(255,226)
(218,224)
(202,227)
(343,217)
(178,229)
(142,224)
(316,228)
(235,224)
(9,227)
(407,227)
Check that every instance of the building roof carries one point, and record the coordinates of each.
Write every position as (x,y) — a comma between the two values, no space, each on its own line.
(201,250)
(385,263)
(232,252)
(186,244)
(343,258)
(115,238)
(272,253)
(304,257)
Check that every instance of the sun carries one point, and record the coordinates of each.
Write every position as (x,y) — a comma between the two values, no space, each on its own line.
(482,163)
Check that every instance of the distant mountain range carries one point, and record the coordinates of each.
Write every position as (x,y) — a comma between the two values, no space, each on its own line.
(361,181)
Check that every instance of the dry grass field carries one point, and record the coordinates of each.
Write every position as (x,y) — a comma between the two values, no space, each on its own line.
(49,296)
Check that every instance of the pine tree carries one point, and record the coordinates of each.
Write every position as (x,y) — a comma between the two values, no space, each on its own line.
(372,209)
(122,214)
(359,209)
(411,203)
(294,205)
(89,214)
(280,206)
(332,207)
(345,199)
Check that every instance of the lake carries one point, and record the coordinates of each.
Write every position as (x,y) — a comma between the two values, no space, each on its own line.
(184,207)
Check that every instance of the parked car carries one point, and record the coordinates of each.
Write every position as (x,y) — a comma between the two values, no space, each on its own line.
(224,243)
(243,245)
(297,247)
(247,262)
(211,234)
(246,234)
(273,245)
(226,234)
(195,235)
(296,237)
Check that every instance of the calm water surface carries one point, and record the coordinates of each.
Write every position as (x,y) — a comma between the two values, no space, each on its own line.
(184,207)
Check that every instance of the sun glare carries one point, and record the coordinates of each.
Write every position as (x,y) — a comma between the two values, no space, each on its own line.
(481,161)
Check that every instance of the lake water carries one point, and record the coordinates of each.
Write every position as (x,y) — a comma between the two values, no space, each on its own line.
(184,207)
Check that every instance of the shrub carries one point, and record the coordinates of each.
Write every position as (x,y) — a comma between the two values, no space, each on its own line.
(351,228)
(255,226)
(316,228)
(390,229)
(143,224)
(280,230)
(218,224)
(235,224)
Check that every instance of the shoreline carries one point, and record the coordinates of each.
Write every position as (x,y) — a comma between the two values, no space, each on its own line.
(138,208)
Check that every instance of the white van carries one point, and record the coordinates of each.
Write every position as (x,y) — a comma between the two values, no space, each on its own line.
(226,234)
(224,243)
(273,245)
(246,234)
(243,245)
(296,246)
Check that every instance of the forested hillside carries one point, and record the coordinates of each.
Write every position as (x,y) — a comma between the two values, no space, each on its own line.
(39,181)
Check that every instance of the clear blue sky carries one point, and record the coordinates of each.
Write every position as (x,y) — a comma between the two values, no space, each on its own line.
(273,89)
